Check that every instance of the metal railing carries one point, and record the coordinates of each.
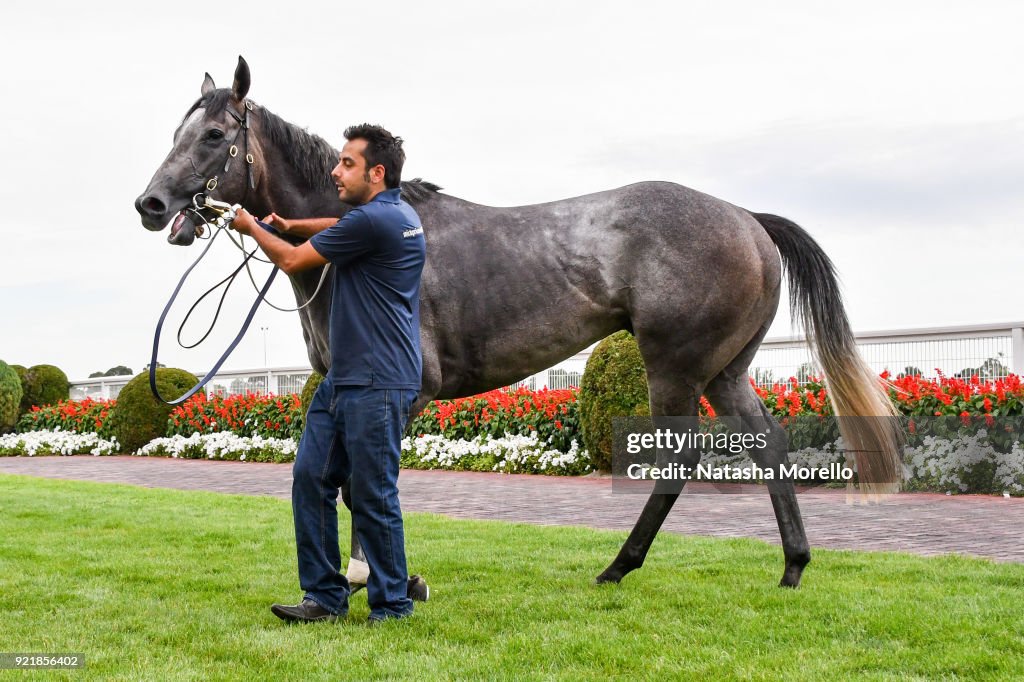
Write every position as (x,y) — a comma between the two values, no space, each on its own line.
(278,381)
(988,350)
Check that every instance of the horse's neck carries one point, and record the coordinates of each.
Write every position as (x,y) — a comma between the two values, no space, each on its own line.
(282,189)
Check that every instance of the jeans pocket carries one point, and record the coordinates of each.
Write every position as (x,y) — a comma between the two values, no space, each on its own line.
(408,400)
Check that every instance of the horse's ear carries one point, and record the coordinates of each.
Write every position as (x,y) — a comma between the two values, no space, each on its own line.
(240,88)
(208,85)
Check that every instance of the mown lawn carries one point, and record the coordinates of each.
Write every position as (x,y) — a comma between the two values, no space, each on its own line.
(169,585)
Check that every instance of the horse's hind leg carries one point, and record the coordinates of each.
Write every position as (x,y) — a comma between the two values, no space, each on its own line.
(730,393)
(666,399)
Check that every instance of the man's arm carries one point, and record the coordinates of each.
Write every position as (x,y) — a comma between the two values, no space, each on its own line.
(299,227)
(289,258)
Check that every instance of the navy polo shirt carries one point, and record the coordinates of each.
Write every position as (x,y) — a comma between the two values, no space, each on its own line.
(378,251)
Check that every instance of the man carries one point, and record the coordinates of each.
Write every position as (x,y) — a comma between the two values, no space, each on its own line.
(355,421)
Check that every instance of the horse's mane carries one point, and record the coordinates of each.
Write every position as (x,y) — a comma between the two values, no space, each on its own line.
(311,155)
(416,190)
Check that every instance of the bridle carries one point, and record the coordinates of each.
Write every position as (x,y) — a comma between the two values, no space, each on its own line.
(211,183)
(243,130)
(225,214)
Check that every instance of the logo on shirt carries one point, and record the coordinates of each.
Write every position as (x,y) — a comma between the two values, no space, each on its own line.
(412,233)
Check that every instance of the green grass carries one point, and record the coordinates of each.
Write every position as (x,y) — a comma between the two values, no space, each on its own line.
(162,584)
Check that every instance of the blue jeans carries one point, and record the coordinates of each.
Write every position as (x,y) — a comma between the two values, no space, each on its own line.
(352,433)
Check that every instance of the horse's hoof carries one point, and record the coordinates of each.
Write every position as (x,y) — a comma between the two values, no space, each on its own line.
(418,590)
(794,570)
(608,577)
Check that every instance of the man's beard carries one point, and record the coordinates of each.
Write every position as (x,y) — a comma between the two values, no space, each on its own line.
(359,200)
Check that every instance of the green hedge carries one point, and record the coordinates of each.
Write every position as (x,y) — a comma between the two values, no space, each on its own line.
(614,385)
(138,416)
(43,385)
(10,397)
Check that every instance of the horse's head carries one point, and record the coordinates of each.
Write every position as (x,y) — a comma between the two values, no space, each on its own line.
(209,153)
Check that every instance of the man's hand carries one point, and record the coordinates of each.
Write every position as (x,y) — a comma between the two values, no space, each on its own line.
(244,222)
(289,258)
(282,225)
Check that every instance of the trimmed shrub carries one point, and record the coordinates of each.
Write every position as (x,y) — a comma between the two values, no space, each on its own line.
(614,385)
(10,397)
(43,385)
(138,416)
(22,371)
(309,390)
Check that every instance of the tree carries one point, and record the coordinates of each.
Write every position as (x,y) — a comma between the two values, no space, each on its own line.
(118,371)
(253,384)
(992,368)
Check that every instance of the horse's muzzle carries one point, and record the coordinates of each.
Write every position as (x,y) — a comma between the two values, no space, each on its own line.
(153,211)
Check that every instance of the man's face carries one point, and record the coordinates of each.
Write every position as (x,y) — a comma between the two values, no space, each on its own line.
(351,175)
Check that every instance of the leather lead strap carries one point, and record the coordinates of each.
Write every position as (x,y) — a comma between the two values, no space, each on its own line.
(216,367)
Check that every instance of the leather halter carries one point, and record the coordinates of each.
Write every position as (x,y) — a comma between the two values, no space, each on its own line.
(243,130)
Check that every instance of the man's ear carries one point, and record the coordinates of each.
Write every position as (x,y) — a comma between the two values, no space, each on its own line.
(377,173)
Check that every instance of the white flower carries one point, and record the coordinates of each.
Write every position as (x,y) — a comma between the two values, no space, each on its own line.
(512,453)
(56,442)
(217,445)
(946,463)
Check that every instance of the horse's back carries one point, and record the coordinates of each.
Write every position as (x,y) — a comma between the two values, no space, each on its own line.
(650,208)
(656,257)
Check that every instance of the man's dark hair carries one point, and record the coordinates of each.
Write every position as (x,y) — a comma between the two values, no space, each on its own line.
(382,148)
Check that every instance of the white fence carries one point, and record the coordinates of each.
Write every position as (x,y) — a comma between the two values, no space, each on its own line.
(278,380)
(988,350)
(991,351)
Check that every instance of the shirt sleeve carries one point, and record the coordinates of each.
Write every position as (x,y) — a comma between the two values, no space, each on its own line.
(346,240)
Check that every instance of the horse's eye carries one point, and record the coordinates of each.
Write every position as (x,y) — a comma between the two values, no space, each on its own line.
(214,134)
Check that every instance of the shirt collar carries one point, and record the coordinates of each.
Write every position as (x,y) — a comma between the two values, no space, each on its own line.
(389,196)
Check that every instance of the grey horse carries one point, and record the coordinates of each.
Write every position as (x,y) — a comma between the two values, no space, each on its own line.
(508,292)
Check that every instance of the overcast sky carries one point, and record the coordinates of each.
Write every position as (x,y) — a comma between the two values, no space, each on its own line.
(891,131)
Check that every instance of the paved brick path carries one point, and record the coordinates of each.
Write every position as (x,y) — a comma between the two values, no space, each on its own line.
(920,523)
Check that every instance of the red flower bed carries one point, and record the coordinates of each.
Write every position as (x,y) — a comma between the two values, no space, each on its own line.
(78,416)
(912,395)
(245,415)
(951,396)
(550,413)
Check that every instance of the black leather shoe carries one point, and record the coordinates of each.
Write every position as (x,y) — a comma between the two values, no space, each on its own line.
(306,612)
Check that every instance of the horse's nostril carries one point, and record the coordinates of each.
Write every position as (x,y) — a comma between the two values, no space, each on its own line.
(150,206)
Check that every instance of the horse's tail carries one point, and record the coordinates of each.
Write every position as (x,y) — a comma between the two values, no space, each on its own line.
(867,418)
